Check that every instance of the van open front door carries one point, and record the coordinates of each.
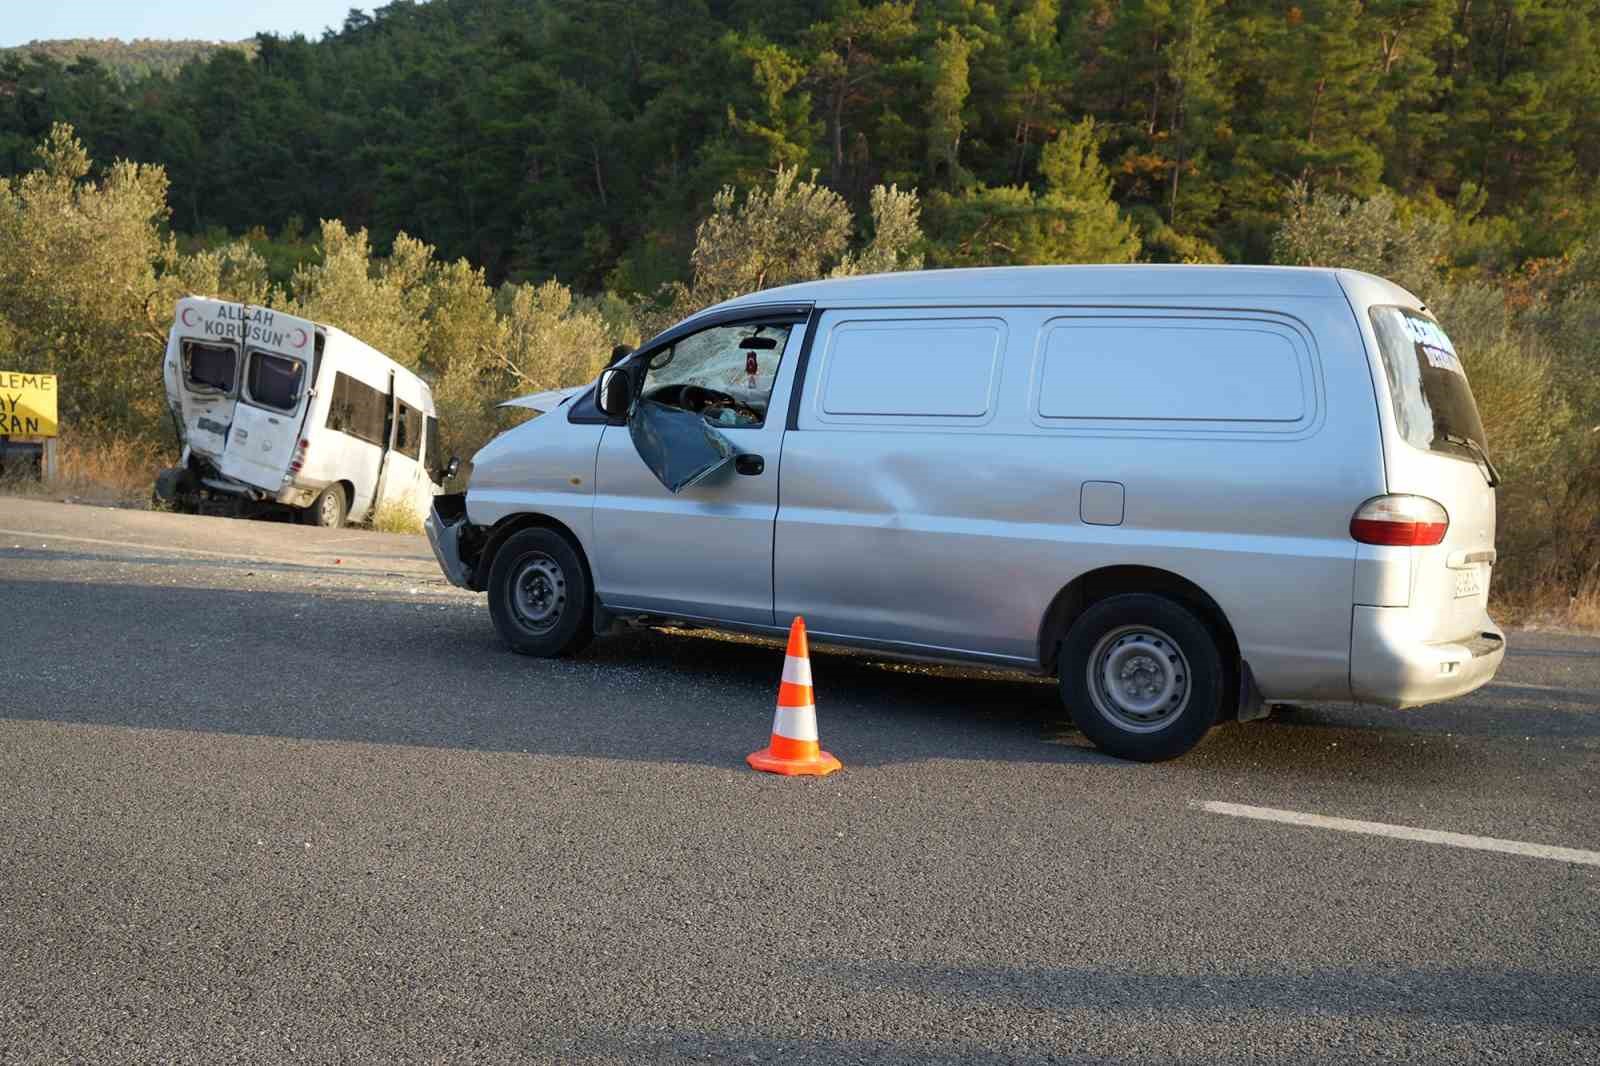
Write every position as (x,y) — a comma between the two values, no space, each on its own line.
(276,371)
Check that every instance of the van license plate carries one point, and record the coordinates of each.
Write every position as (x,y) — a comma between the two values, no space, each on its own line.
(1469,582)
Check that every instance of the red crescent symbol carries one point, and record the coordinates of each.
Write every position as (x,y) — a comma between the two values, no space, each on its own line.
(185,317)
(301,343)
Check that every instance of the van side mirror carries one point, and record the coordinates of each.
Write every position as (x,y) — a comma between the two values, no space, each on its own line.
(616,393)
(452,467)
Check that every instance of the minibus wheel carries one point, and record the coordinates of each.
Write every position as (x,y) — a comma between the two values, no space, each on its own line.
(328,509)
(539,594)
(1143,676)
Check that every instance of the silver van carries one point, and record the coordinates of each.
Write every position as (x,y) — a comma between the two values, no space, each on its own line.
(1186,492)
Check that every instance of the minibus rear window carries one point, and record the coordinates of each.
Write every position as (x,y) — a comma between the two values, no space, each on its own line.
(275,380)
(209,366)
(1433,405)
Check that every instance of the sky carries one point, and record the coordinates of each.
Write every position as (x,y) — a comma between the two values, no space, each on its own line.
(205,20)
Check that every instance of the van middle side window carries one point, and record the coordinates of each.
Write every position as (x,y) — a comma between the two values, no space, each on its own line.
(359,410)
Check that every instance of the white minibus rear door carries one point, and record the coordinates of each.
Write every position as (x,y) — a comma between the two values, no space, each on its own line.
(276,372)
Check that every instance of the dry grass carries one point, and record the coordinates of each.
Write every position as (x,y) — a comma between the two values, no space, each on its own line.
(396,516)
(1583,611)
(1549,604)
(115,471)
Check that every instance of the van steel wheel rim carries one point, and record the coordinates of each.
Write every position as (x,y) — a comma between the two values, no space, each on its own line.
(1139,678)
(330,508)
(539,593)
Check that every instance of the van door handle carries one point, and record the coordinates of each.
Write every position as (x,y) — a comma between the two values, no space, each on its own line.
(750,465)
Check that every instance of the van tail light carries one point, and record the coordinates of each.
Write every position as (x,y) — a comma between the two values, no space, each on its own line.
(1403,521)
(299,459)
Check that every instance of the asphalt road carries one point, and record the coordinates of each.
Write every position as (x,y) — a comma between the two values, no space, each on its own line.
(276,794)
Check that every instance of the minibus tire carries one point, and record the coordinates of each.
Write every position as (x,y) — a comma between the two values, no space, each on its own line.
(330,518)
(526,557)
(1166,664)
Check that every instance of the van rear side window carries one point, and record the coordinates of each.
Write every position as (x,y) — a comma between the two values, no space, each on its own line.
(274,381)
(209,367)
(359,410)
(1433,404)
(1171,370)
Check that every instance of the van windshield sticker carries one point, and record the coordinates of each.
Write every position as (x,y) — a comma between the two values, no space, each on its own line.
(1434,345)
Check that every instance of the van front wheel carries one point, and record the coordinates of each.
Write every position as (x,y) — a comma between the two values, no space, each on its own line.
(1142,676)
(539,595)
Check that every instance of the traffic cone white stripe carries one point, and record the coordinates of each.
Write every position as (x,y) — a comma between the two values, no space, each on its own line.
(796,723)
(797,671)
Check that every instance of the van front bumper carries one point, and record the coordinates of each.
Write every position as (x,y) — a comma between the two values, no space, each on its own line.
(444,537)
(1389,666)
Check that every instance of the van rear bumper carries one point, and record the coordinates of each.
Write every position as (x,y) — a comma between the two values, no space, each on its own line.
(1389,666)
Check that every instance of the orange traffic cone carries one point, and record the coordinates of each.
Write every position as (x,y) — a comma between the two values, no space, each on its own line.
(794,748)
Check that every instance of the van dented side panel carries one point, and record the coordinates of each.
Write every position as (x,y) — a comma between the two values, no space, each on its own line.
(941,505)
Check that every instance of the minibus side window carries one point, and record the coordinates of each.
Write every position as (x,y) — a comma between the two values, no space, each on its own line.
(358,410)
(432,454)
(408,432)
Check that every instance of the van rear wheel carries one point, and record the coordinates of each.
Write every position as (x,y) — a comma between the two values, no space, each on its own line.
(1143,676)
(539,595)
(328,509)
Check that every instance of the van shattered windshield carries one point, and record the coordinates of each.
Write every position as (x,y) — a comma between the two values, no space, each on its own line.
(1433,404)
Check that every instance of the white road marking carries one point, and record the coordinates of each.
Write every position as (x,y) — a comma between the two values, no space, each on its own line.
(1401,832)
(37,536)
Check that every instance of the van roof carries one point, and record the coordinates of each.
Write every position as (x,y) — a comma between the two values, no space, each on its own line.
(993,284)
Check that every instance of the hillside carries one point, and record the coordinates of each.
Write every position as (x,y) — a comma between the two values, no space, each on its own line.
(128,61)
(583,139)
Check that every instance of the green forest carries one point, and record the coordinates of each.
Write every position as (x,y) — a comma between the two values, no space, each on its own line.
(495,191)
(583,139)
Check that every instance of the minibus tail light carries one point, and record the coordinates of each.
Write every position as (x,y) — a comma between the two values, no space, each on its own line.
(1400,521)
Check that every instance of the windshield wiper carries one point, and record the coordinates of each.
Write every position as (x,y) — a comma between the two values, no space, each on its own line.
(1491,475)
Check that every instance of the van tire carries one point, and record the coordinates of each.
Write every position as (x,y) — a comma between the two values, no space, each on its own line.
(328,509)
(539,595)
(1168,690)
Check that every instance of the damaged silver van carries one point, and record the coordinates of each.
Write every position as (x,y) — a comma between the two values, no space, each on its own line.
(1184,491)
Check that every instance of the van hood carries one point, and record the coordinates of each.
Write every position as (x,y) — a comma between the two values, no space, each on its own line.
(540,402)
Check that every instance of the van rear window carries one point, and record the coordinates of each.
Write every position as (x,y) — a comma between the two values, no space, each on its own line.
(275,380)
(1433,404)
(210,366)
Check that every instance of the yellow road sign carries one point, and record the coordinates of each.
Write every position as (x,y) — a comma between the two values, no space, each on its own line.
(27,404)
